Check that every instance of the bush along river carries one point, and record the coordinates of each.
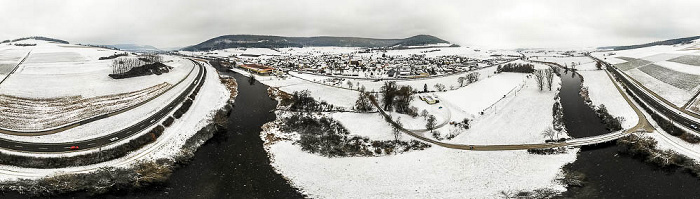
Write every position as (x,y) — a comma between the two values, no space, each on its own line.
(609,174)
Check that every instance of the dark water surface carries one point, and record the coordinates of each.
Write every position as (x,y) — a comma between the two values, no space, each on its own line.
(608,174)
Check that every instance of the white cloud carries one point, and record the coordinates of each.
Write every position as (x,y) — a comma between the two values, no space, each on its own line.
(497,24)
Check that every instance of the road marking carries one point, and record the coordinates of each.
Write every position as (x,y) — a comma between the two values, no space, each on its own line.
(43,148)
(91,144)
(18,146)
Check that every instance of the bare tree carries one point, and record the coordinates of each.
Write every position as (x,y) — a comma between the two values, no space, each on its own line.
(473,77)
(550,78)
(350,84)
(397,131)
(539,78)
(440,87)
(549,133)
(598,65)
(124,64)
(424,114)
(460,80)
(431,123)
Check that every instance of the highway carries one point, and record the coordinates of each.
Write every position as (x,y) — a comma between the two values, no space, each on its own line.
(675,115)
(112,137)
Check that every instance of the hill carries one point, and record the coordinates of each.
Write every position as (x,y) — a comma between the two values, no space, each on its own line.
(135,48)
(266,41)
(684,40)
(37,38)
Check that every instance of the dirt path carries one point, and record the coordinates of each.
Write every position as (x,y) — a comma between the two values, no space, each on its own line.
(643,124)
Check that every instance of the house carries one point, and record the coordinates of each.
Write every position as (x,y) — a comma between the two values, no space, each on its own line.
(260,69)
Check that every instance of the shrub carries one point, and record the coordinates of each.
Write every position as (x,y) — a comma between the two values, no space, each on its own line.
(158,130)
(178,114)
(113,56)
(611,123)
(690,138)
(168,121)
(549,151)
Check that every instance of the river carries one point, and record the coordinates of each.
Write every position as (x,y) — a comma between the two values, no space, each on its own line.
(609,174)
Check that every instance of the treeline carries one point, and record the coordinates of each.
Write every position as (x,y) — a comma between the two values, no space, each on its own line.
(39,38)
(25,45)
(645,148)
(114,56)
(516,68)
(468,79)
(126,67)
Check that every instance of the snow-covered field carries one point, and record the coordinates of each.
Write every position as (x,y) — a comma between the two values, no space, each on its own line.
(522,119)
(459,51)
(667,70)
(568,61)
(32,82)
(446,172)
(601,90)
(110,124)
(434,172)
(671,93)
(46,113)
(475,98)
(9,57)
(211,97)
(77,71)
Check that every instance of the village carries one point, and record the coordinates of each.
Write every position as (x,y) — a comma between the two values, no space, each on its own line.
(359,64)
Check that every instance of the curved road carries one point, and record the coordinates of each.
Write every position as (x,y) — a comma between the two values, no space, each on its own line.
(112,137)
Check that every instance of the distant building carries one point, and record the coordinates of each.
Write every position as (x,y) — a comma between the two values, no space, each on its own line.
(257,68)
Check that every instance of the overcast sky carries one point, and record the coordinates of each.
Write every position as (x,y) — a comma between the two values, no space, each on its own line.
(487,23)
